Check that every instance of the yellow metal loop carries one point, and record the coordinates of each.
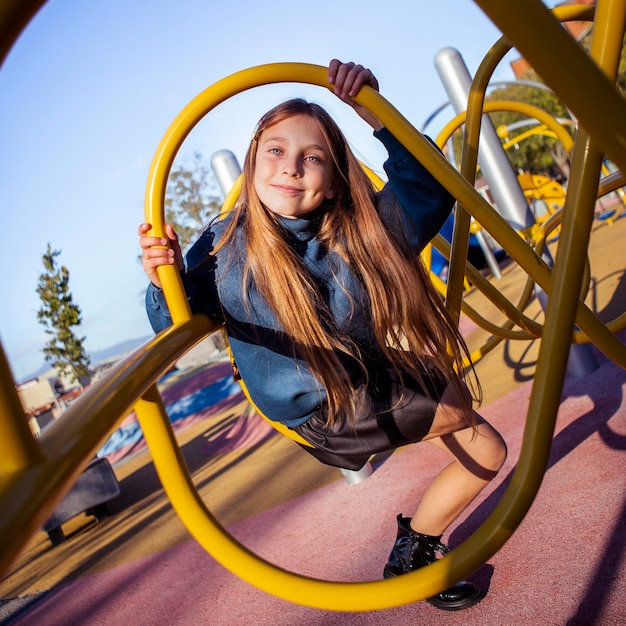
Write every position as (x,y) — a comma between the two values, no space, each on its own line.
(517,498)
(288,585)
(176,481)
(34,475)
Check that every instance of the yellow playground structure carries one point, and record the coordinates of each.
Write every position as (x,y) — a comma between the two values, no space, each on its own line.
(36,473)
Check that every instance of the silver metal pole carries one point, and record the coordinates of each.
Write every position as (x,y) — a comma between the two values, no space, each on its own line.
(490,257)
(354,477)
(507,193)
(226,169)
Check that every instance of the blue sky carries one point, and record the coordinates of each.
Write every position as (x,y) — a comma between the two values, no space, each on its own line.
(90,88)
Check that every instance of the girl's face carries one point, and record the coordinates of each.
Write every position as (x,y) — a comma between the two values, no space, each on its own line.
(293,169)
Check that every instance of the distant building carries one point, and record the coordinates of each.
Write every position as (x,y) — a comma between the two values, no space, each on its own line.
(578,30)
(44,398)
(38,398)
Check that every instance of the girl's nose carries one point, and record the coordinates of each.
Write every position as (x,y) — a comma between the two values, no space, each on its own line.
(291,167)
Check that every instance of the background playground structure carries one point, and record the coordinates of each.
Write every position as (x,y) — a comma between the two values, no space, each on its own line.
(36,473)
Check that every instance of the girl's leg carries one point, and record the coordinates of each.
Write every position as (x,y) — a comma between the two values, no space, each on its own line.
(478,455)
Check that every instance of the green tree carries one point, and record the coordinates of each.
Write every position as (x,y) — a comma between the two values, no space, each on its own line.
(537,153)
(59,315)
(190,200)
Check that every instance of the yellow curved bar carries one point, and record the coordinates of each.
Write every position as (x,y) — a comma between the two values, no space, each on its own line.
(361,596)
(514,106)
(611,183)
(28,494)
(284,584)
(495,296)
(539,130)
(109,398)
(323,594)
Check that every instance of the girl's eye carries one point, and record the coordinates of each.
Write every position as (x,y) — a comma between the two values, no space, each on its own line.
(274,150)
(313,158)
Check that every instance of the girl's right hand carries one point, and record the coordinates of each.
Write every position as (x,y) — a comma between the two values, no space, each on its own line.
(159,251)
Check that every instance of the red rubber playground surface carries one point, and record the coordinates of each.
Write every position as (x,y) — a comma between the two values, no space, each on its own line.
(564,565)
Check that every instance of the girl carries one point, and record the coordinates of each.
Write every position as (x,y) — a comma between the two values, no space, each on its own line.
(331,318)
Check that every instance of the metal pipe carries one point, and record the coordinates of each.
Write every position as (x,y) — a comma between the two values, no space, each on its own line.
(226,169)
(508,195)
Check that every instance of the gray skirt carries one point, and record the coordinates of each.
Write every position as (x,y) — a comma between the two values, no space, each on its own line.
(391,413)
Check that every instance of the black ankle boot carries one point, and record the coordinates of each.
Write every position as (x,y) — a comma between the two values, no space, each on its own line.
(413,550)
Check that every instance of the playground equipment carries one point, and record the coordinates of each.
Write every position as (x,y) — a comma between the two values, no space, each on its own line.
(36,473)
(546,195)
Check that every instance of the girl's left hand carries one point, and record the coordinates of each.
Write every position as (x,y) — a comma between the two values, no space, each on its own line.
(347,79)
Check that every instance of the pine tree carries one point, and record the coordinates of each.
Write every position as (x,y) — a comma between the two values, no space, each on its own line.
(58,314)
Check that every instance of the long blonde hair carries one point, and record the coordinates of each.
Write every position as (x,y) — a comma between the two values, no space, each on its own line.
(408,317)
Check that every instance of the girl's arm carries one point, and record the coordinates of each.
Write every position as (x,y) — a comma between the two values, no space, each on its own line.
(425,202)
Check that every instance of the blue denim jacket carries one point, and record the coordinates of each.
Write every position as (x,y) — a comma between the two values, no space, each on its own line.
(280,384)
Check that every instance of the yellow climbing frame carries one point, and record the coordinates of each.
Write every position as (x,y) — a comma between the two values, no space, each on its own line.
(35,473)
